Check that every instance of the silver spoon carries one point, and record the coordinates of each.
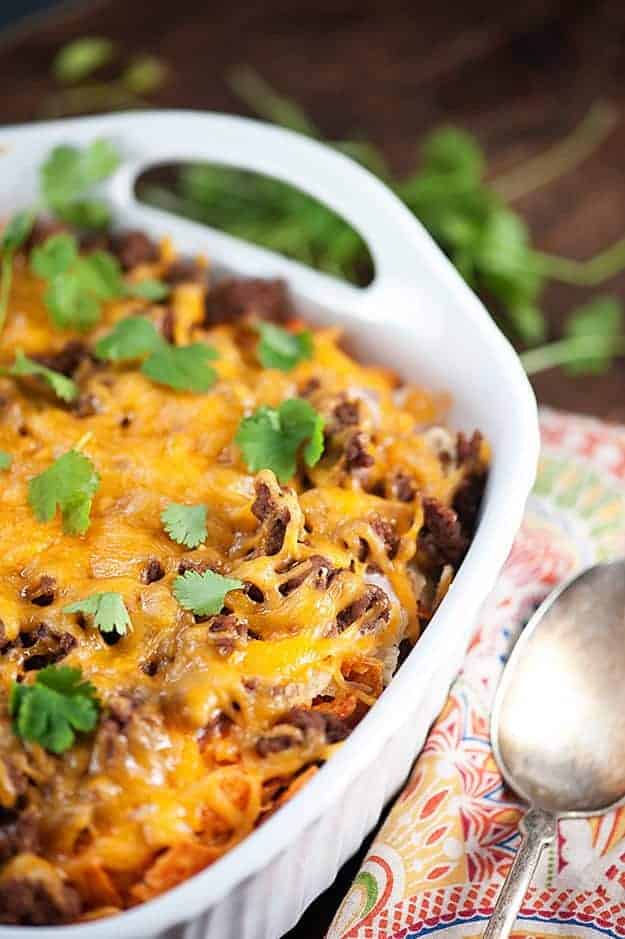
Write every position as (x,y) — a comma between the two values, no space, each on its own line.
(558,724)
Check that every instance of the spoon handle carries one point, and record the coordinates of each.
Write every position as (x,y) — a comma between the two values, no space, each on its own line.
(538,829)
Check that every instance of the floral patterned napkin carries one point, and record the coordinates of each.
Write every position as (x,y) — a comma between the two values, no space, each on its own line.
(439,860)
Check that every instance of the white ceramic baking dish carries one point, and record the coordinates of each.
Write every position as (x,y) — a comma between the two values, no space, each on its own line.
(417,316)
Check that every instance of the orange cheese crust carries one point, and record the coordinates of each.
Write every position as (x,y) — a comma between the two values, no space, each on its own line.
(197,742)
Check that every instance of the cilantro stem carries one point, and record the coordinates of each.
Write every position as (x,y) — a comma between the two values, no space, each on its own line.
(82,443)
(267,103)
(588,273)
(6,278)
(568,351)
(560,158)
(90,96)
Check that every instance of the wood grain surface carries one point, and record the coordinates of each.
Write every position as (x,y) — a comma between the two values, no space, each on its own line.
(520,76)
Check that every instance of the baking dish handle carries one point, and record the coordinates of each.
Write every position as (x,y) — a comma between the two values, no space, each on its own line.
(392,234)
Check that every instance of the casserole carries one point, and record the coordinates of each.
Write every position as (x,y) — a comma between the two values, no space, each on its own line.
(425,306)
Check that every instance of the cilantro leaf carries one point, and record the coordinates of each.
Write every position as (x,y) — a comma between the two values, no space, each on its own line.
(452,151)
(99,273)
(184,368)
(185,524)
(17,230)
(63,387)
(270,438)
(55,256)
(130,338)
(108,610)
(69,484)
(67,176)
(149,289)
(77,284)
(5,460)
(145,74)
(79,58)
(601,318)
(69,306)
(281,349)
(52,709)
(203,594)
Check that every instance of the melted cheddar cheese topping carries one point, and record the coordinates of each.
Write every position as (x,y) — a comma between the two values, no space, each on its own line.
(206,724)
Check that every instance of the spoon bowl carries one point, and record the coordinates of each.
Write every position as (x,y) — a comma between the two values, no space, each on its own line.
(558,730)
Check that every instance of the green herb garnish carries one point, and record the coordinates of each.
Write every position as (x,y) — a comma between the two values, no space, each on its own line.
(185,524)
(67,177)
(13,237)
(80,58)
(131,338)
(17,231)
(69,484)
(281,349)
(184,368)
(54,708)
(148,289)
(108,610)
(63,387)
(76,286)
(467,212)
(144,75)
(79,284)
(271,437)
(203,594)
(601,317)
(593,337)
(5,460)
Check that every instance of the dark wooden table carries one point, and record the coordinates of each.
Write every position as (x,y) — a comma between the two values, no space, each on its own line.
(520,76)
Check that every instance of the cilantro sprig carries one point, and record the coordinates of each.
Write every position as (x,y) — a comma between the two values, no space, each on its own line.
(107,609)
(185,524)
(63,387)
(68,177)
(13,237)
(271,438)
(467,211)
(593,336)
(184,368)
(203,594)
(5,460)
(69,484)
(52,710)
(77,285)
(278,348)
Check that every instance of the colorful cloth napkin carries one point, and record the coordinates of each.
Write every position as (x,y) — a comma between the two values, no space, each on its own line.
(439,860)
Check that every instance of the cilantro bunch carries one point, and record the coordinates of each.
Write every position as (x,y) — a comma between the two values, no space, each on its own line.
(451,194)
